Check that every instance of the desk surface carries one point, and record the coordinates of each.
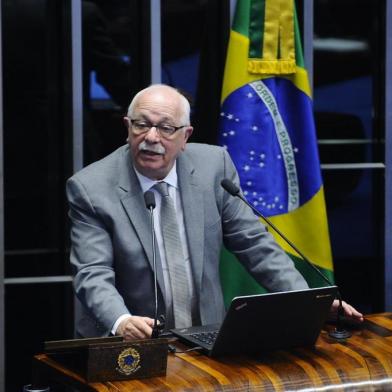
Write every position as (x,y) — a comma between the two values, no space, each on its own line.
(363,362)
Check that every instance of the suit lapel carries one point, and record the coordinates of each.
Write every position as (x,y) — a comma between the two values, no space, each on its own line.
(132,199)
(193,207)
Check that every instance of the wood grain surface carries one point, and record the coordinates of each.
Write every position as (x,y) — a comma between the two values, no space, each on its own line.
(361,363)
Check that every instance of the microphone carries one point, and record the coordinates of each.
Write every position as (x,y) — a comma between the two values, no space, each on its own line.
(149,200)
(234,190)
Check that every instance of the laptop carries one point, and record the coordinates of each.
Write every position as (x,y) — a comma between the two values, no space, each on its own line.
(255,324)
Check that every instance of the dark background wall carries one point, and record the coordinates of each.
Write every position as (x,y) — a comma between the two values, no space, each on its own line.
(348,102)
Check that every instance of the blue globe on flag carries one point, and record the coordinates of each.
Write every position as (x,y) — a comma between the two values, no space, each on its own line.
(262,126)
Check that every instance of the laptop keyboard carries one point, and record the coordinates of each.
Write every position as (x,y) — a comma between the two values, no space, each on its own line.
(205,337)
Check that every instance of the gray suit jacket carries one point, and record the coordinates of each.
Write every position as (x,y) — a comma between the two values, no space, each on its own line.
(111,238)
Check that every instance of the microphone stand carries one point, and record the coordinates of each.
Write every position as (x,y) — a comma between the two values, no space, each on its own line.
(339,332)
(155,329)
(150,204)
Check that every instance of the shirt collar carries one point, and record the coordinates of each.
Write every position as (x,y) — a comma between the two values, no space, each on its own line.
(147,183)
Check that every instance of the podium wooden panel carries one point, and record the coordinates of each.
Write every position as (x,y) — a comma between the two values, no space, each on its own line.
(363,362)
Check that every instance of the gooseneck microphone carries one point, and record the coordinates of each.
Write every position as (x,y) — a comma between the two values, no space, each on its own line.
(149,199)
(234,190)
(230,187)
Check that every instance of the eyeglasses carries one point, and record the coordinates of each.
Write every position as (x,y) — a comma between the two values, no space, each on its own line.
(165,130)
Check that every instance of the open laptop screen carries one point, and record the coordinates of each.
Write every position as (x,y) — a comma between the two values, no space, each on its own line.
(258,323)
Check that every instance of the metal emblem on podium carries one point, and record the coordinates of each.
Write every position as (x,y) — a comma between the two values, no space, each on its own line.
(128,361)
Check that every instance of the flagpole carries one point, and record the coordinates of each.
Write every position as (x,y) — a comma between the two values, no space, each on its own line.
(308,29)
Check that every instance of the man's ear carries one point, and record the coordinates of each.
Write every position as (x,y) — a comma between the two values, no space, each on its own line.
(126,122)
(187,134)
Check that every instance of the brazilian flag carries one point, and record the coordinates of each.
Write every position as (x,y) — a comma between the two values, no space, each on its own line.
(267,126)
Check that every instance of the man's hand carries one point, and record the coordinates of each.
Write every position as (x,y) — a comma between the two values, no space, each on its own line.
(135,327)
(349,311)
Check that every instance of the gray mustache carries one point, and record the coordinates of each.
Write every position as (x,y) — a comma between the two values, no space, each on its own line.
(156,148)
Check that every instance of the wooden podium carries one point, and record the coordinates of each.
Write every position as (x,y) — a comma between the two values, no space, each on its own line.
(362,363)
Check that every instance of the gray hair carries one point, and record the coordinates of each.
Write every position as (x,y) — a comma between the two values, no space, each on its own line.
(186,108)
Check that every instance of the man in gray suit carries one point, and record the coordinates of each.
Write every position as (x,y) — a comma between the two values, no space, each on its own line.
(111,234)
